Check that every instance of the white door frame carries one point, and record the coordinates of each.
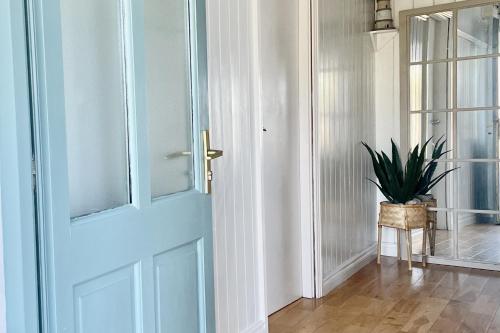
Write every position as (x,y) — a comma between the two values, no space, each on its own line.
(307,219)
(318,274)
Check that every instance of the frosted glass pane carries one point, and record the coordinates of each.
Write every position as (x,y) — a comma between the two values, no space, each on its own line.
(96,116)
(169,95)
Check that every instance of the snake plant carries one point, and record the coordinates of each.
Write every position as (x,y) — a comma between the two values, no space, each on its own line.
(400,185)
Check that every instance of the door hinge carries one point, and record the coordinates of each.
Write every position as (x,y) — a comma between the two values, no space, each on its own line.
(33,174)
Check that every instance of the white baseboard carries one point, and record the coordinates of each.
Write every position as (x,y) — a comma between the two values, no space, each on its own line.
(258,327)
(349,269)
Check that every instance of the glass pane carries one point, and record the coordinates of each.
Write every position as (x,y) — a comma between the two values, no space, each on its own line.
(477,185)
(477,83)
(478,134)
(430,86)
(431,37)
(95,106)
(442,192)
(442,246)
(478,30)
(478,237)
(169,96)
(423,126)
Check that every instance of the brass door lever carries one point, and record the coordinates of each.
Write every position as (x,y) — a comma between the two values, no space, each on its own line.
(209,155)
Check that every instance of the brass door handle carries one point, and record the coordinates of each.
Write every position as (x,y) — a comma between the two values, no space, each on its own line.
(212,154)
(209,155)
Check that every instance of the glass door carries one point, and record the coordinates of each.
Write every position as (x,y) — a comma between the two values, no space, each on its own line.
(453,92)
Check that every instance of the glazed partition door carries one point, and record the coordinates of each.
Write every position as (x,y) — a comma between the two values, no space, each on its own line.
(119,104)
(451,75)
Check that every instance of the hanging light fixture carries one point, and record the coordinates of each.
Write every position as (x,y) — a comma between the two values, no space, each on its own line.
(383,15)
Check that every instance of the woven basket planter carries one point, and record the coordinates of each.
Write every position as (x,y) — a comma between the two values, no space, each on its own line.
(403,216)
(431,224)
(431,215)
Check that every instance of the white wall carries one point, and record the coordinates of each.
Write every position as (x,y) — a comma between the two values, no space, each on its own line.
(279,95)
(344,117)
(238,243)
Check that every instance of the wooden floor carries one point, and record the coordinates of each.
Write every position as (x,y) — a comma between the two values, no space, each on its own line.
(388,298)
(476,242)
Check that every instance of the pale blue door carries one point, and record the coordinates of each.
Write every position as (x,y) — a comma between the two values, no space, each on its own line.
(119,105)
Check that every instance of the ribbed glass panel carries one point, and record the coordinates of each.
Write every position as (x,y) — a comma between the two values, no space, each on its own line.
(345,118)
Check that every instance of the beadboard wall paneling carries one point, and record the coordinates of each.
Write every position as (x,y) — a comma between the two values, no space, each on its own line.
(239,277)
(345,116)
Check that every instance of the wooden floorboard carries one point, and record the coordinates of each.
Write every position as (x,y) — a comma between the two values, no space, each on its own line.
(388,298)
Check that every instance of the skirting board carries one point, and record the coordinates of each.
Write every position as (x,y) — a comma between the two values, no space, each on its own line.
(258,327)
(349,269)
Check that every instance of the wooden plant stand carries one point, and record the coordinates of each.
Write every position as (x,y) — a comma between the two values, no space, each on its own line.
(407,218)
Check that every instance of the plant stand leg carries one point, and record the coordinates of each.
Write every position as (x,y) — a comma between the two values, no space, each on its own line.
(433,231)
(424,248)
(398,235)
(408,248)
(379,244)
(429,233)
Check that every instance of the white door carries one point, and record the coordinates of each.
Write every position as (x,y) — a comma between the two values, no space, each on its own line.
(281,155)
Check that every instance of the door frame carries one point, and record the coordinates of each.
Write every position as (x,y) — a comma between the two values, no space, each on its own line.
(309,228)
(16,204)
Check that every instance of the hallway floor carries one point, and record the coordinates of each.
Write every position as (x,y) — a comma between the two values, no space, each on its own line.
(388,298)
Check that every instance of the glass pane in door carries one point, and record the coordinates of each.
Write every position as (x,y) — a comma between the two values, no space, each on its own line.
(427,125)
(478,185)
(431,37)
(95,105)
(430,86)
(168,84)
(477,83)
(439,240)
(478,237)
(478,134)
(478,31)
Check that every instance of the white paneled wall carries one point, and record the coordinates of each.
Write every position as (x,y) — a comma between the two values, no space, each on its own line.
(344,117)
(239,277)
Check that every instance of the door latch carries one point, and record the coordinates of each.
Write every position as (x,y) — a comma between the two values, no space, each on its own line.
(209,155)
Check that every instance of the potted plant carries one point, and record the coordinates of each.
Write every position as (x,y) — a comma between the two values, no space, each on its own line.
(407,188)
